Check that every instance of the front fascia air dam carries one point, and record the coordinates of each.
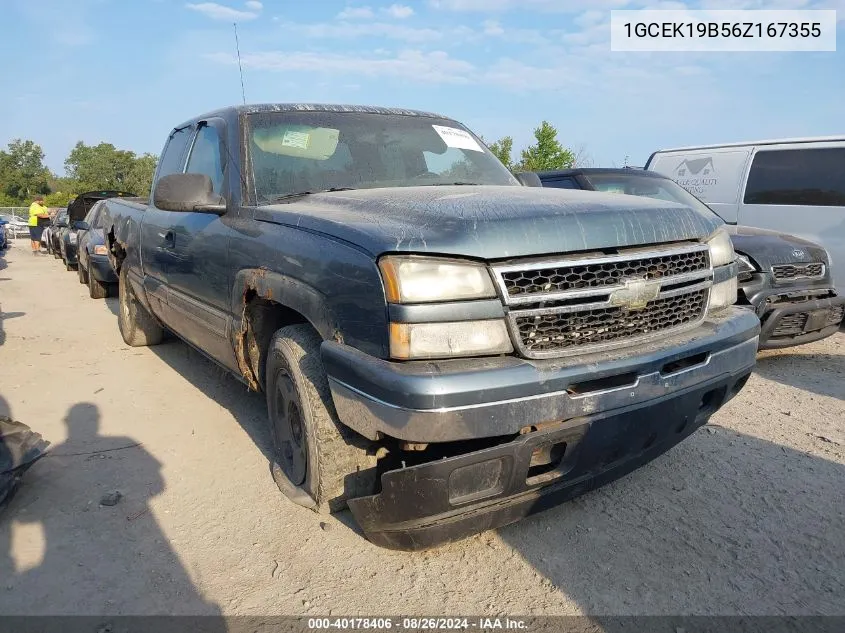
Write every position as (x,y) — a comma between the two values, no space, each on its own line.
(496,486)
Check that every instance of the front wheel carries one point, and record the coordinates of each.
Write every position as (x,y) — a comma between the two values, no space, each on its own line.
(317,461)
(82,274)
(137,326)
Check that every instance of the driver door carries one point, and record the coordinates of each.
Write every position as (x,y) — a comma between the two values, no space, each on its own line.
(195,252)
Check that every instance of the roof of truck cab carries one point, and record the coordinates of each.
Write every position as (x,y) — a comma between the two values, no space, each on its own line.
(255,108)
(774,141)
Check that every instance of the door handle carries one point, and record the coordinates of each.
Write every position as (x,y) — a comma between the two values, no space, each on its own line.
(170,239)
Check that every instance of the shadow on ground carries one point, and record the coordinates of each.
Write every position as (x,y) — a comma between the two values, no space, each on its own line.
(724,523)
(823,374)
(63,552)
(247,407)
(113,303)
(5,316)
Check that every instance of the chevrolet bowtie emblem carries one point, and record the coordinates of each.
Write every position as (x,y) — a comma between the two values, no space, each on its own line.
(636,294)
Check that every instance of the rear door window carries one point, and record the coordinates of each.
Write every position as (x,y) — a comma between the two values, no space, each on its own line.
(806,177)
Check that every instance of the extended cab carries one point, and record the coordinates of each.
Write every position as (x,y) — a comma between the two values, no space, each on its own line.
(442,349)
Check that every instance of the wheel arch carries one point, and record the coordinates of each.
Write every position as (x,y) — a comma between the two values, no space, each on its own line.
(263,302)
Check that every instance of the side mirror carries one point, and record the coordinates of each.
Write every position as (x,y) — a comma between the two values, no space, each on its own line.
(528,179)
(188,192)
(80,225)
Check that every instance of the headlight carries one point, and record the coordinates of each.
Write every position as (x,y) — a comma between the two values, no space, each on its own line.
(721,248)
(72,238)
(422,280)
(449,340)
(723,295)
(746,267)
(101,249)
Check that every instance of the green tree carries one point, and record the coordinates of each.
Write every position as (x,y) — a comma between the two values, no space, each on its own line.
(547,153)
(140,179)
(59,198)
(503,149)
(22,171)
(99,166)
(8,201)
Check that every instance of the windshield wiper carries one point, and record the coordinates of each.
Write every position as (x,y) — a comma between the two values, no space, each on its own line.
(300,194)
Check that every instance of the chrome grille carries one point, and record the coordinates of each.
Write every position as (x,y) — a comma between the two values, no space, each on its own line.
(583,303)
(577,276)
(787,272)
(545,332)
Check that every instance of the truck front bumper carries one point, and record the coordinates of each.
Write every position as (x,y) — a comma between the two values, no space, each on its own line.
(563,426)
(456,400)
(423,506)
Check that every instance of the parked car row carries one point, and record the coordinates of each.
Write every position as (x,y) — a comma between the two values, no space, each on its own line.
(444,346)
(76,237)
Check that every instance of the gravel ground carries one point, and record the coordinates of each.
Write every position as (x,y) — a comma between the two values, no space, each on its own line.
(745,517)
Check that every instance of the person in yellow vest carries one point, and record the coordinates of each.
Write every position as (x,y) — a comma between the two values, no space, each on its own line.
(37,211)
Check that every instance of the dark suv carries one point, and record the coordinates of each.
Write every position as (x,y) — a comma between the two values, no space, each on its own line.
(786,280)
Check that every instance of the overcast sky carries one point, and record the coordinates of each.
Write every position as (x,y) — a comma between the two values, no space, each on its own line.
(126,71)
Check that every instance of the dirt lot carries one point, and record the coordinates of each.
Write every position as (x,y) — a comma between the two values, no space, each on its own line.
(745,517)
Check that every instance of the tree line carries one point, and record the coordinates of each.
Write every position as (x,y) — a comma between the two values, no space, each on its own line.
(23,174)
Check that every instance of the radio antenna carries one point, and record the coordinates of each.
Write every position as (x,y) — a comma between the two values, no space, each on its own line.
(240,68)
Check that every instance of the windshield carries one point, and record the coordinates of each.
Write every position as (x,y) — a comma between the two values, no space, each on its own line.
(299,152)
(648,186)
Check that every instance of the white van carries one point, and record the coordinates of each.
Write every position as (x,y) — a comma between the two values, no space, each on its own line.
(794,186)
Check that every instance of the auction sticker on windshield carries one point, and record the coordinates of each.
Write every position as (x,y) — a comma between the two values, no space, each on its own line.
(454,137)
(295,139)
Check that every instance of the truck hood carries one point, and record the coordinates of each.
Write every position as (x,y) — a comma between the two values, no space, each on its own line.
(489,222)
(768,248)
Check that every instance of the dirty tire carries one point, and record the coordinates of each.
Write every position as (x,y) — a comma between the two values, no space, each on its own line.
(96,288)
(82,274)
(330,462)
(69,267)
(57,254)
(137,326)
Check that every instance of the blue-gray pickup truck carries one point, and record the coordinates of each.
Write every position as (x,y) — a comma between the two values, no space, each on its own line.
(443,347)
